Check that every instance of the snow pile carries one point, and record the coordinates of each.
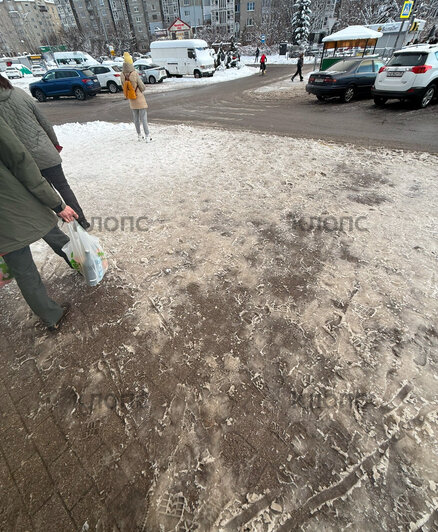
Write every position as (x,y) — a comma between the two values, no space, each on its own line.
(189,81)
(282,89)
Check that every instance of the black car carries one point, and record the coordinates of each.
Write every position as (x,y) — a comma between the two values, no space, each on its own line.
(346,79)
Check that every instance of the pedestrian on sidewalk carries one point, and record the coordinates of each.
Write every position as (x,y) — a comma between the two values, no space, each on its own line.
(257,53)
(33,129)
(300,63)
(263,61)
(27,213)
(133,88)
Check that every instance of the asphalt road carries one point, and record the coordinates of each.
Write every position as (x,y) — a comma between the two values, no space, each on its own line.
(231,105)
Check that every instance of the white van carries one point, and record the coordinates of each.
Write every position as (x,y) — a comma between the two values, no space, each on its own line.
(77,59)
(185,56)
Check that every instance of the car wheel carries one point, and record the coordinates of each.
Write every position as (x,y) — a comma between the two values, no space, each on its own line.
(152,79)
(348,94)
(79,94)
(321,98)
(197,74)
(112,87)
(39,95)
(427,97)
(380,101)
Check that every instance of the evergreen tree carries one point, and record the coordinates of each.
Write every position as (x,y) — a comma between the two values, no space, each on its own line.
(301,21)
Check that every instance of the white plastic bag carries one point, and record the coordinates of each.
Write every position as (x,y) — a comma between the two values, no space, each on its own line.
(85,254)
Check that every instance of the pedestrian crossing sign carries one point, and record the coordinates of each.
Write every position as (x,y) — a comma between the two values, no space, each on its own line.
(406,9)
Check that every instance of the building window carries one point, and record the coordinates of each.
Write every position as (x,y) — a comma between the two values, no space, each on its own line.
(136,9)
(186,2)
(140,29)
(250,6)
(249,22)
(154,17)
(138,19)
(237,8)
(186,13)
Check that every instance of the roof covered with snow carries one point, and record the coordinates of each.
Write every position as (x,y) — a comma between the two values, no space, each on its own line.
(352,33)
(179,43)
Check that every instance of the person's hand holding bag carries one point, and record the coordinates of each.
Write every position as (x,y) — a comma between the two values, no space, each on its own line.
(68,214)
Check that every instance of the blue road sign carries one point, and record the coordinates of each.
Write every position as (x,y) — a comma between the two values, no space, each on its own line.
(406,9)
(263,38)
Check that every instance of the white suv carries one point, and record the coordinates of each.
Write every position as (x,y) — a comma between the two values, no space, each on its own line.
(411,74)
(108,76)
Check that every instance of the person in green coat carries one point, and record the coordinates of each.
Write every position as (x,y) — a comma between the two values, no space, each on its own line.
(27,213)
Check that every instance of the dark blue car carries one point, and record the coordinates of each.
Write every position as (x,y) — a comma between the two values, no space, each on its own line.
(77,82)
(347,79)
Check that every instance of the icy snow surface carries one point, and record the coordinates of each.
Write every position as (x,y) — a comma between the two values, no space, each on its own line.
(289,367)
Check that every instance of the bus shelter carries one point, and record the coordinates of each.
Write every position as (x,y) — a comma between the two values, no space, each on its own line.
(354,41)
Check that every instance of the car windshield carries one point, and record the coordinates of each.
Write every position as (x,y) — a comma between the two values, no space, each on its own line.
(342,66)
(87,73)
(408,59)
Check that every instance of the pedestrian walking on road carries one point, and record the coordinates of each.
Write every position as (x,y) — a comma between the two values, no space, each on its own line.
(133,88)
(27,213)
(33,129)
(263,61)
(257,53)
(300,63)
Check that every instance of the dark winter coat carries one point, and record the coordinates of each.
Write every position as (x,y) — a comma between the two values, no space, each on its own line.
(19,111)
(27,201)
(300,63)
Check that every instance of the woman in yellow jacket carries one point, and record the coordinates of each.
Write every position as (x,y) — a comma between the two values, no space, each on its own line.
(137,104)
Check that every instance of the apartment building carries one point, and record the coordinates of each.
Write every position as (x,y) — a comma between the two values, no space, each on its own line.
(108,18)
(324,18)
(250,19)
(67,14)
(155,16)
(26,25)
(223,16)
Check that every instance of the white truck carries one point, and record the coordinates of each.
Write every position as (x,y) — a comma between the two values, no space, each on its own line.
(183,57)
(71,59)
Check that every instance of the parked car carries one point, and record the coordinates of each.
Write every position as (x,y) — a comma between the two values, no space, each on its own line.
(411,74)
(150,72)
(76,82)
(346,79)
(38,71)
(108,76)
(13,72)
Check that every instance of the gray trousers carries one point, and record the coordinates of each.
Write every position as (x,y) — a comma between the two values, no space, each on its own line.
(23,268)
(140,115)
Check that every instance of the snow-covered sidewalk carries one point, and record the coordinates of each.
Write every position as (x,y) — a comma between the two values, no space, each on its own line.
(277,59)
(261,350)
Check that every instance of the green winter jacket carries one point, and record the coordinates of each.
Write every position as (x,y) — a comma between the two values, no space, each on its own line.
(27,201)
(19,111)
